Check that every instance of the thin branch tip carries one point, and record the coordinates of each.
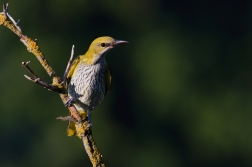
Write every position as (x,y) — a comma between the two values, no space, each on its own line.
(5,7)
(66,118)
(69,64)
(27,77)
(18,22)
(25,63)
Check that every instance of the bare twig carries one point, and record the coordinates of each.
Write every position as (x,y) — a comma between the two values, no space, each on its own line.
(44,84)
(66,118)
(26,65)
(83,130)
(68,64)
(11,19)
(36,79)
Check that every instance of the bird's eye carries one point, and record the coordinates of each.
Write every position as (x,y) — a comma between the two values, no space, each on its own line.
(103,44)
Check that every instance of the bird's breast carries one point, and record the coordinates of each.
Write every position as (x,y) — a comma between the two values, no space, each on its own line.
(87,84)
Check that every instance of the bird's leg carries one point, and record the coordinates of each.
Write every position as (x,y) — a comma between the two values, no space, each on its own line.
(89,117)
(73,110)
(69,102)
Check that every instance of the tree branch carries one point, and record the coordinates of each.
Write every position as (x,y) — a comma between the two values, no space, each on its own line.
(83,128)
(69,64)
(39,81)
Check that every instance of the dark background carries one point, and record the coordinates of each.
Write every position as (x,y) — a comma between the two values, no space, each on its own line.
(182,87)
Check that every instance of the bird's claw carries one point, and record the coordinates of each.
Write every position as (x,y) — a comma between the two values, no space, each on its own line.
(89,119)
(90,123)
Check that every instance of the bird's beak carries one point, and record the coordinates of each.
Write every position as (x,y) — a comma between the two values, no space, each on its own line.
(118,42)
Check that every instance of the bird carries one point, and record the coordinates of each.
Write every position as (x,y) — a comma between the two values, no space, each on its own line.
(89,78)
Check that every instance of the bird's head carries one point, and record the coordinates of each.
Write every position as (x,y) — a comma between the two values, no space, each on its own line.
(100,46)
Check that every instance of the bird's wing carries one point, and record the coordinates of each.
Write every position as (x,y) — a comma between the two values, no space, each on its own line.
(108,79)
(71,70)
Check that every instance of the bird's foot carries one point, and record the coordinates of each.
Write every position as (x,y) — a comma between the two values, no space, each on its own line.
(89,119)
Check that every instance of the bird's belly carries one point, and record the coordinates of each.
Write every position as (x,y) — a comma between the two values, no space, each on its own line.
(92,94)
(87,86)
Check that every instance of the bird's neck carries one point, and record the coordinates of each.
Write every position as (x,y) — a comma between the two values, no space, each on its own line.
(92,59)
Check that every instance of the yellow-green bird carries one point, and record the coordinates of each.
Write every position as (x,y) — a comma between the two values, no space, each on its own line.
(89,78)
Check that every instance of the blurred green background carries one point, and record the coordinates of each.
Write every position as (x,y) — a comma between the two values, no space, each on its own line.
(182,87)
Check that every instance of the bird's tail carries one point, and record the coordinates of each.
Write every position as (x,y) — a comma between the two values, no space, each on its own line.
(71,129)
